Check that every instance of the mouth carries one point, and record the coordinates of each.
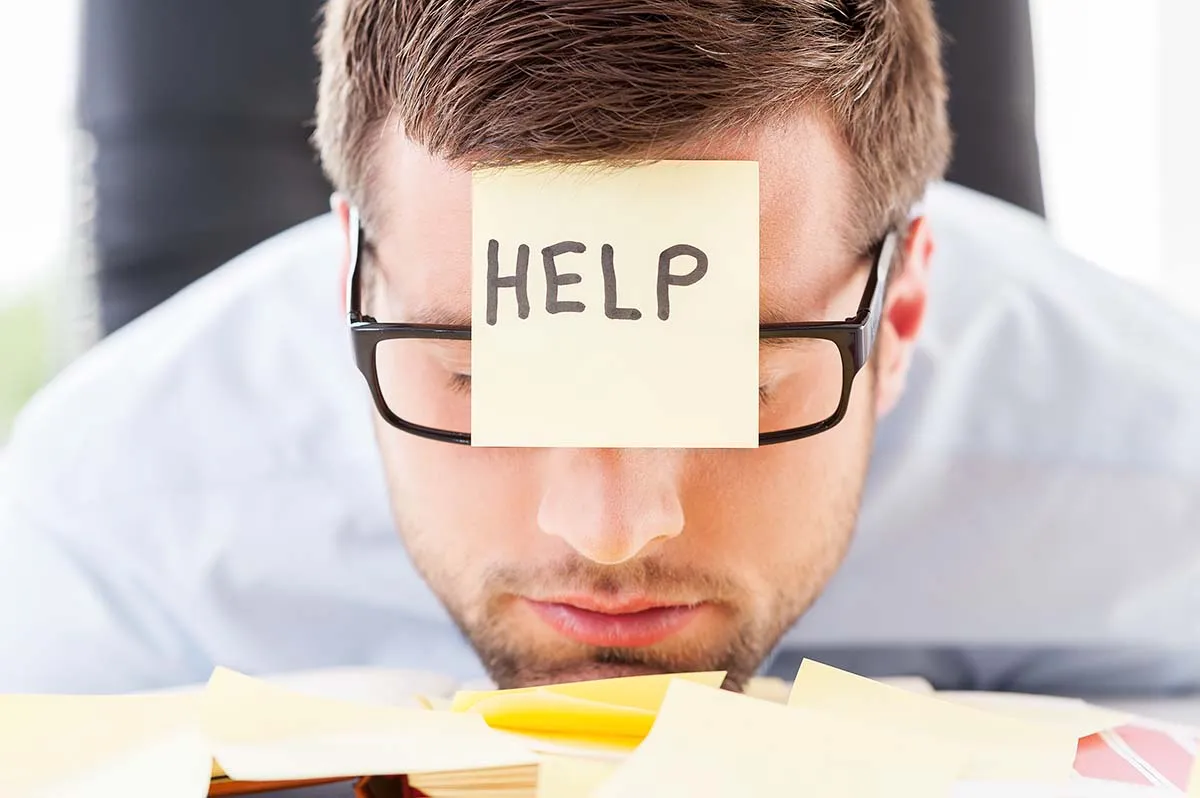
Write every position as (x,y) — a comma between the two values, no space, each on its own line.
(627,623)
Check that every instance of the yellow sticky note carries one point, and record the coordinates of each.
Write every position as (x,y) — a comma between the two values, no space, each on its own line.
(1077,717)
(572,776)
(132,746)
(716,743)
(545,712)
(261,732)
(638,692)
(615,306)
(999,746)
(581,713)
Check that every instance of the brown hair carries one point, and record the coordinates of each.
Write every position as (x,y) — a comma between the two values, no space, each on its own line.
(494,82)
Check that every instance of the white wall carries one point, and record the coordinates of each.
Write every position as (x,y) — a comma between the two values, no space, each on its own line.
(1119,129)
(38,45)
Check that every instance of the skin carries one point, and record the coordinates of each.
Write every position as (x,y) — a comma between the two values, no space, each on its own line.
(750,536)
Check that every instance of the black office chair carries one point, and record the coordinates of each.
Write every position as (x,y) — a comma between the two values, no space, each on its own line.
(200,111)
(990,65)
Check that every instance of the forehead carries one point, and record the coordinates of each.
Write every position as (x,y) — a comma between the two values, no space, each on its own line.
(421,219)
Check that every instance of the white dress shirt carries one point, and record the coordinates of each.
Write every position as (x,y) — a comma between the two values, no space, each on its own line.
(203,488)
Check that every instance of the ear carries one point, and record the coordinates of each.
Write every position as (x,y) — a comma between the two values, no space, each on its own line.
(341,210)
(903,315)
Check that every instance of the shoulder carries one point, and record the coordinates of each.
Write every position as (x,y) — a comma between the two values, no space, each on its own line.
(165,403)
(1046,357)
(1039,482)
(212,465)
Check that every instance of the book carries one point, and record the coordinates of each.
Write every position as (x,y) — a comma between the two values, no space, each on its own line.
(828,732)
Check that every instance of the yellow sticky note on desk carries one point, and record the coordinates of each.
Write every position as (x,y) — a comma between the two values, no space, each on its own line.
(589,711)
(89,746)
(721,744)
(545,712)
(998,746)
(616,306)
(262,732)
(636,692)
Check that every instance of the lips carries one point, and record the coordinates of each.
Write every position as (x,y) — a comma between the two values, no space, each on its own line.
(630,623)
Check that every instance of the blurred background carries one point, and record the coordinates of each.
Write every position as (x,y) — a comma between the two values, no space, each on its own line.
(147,141)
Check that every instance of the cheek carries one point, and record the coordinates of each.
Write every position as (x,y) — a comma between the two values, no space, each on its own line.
(452,497)
(783,508)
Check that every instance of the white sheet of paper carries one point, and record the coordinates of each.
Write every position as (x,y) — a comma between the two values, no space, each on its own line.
(593,379)
(260,732)
(999,746)
(720,744)
(176,766)
(1078,717)
(86,746)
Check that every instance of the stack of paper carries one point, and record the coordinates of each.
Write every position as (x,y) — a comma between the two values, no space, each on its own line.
(582,722)
(837,734)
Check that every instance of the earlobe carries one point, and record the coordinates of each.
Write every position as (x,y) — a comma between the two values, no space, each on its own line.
(903,316)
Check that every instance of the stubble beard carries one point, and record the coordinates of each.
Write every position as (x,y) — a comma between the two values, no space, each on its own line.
(757,626)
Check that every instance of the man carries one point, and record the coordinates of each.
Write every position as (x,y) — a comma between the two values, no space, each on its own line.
(200,490)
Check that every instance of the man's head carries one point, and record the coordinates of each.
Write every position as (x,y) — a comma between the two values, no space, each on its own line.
(564,564)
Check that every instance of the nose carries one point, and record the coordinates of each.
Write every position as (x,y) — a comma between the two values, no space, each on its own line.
(610,504)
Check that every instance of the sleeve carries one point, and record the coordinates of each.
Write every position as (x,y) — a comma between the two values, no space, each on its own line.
(1106,672)
(78,614)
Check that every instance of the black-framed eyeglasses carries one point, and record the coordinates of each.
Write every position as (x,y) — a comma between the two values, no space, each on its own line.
(419,374)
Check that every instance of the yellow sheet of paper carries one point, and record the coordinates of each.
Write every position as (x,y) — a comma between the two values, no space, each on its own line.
(998,746)
(572,776)
(132,746)
(1076,716)
(583,379)
(261,732)
(720,744)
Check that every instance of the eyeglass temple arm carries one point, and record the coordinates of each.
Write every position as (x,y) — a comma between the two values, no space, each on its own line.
(353,289)
(870,309)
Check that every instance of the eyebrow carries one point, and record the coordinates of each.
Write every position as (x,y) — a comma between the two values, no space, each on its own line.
(433,315)
(439,316)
